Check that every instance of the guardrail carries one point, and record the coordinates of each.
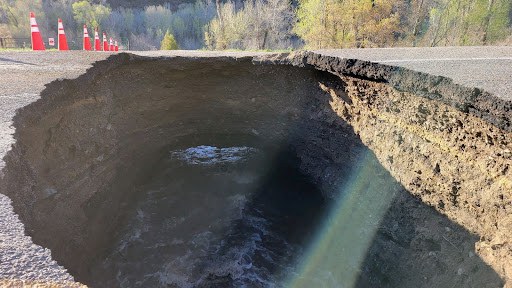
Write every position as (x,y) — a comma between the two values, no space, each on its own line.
(15,43)
(25,43)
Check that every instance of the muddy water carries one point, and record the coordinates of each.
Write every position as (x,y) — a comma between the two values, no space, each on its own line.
(215,217)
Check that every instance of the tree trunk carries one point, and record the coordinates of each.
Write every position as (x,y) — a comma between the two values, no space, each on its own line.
(417,22)
(264,40)
(487,21)
(217,4)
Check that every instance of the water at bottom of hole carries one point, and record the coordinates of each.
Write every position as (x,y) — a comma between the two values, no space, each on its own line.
(214,222)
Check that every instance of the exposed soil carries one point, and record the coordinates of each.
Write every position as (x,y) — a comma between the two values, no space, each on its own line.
(447,144)
(443,151)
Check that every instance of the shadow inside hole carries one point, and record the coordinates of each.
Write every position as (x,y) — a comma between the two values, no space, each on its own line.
(263,224)
(416,246)
(370,232)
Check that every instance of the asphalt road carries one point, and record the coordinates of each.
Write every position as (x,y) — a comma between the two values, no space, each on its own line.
(488,68)
(23,75)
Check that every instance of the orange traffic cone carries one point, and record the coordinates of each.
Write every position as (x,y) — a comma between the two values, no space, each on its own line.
(63,43)
(97,43)
(105,44)
(36,39)
(112,48)
(87,40)
(116,46)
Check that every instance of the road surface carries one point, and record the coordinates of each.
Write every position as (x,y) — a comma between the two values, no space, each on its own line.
(488,68)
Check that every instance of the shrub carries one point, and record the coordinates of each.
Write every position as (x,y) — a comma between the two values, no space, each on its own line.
(169,43)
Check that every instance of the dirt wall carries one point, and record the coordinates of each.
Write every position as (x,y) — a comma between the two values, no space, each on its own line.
(447,144)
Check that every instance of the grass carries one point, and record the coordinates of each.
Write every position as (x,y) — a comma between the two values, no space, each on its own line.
(23,49)
(252,50)
(15,49)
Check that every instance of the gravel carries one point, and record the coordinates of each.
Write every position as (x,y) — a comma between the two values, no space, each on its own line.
(23,76)
(19,257)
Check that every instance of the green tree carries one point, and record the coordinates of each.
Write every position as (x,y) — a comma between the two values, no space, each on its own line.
(469,22)
(494,24)
(228,31)
(14,17)
(415,20)
(313,26)
(85,12)
(348,23)
(169,43)
(258,24)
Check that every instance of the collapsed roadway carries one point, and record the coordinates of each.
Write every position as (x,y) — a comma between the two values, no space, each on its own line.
(411,170)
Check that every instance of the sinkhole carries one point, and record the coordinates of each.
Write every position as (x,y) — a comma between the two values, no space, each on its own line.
(246,172)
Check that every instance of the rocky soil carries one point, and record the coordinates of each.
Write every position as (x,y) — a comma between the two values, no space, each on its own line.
(448,145)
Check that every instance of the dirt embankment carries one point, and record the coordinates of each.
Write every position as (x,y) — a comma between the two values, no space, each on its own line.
(447,144)
(84,148)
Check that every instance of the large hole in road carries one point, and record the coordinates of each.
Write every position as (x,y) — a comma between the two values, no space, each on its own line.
(223,172)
